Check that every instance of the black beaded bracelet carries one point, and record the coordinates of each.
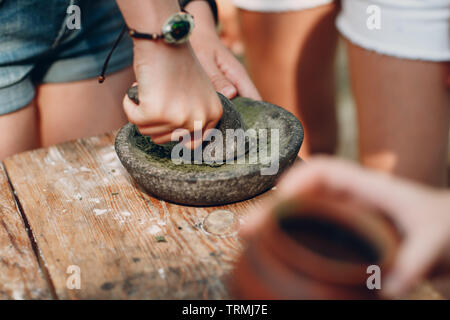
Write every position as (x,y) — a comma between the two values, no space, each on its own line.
(212,4)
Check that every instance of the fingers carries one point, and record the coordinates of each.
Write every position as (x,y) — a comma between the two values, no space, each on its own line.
(190,141)
(147,125)
(161,124)
(302,179)
(132,111)
(255,219)
(418,253)
(374,188)
(227,74)
(165,134)
(237,75)
(322,173)
(209,126)
(195,140)
(162,138)
(218,79)
(223,85)
(156,130)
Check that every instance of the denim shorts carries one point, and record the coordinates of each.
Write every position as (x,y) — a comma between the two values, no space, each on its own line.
(408,29)
(40,42)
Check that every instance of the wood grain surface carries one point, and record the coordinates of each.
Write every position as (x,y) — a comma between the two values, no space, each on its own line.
(20,275)
(86,211)
(87,215)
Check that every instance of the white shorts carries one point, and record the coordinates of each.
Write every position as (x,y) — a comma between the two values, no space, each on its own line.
(279,5)
(408,29)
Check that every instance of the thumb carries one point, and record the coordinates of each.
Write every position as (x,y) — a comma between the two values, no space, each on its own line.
(417,255)
(223,85)
(235,72)
(220,82)
(133,111)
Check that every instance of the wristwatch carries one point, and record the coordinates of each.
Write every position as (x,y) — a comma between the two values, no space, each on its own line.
(176,30)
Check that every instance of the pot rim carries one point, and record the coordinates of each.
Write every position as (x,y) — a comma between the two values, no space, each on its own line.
(366,223)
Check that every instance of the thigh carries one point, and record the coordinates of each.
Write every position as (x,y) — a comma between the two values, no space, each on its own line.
(404,114)
(278,44)
(19,131)
(27,32)
(71,103)
(18,114)
(82,108)
(291,57)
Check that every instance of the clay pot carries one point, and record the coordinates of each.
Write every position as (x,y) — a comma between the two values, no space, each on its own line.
(315,248)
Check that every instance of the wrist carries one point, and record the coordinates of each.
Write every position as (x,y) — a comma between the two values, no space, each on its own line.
(155,52)
(212,4)
(204,20)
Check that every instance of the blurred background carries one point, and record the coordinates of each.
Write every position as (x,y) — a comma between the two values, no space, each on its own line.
(346,114)
(231,35)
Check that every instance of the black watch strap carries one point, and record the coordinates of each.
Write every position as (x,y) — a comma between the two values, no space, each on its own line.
(212,4)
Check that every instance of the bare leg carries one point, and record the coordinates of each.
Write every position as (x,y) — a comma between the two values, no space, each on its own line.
(291,60)
(403,115)
(84,108)
(19,131)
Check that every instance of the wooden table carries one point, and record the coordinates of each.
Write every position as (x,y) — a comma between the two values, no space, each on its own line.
(80,208)
(73,209)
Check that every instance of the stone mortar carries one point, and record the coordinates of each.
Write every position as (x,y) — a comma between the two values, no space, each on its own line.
(201,184)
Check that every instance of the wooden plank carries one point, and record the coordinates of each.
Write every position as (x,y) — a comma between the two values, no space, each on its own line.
(20,275)
(424,291)
(86,211)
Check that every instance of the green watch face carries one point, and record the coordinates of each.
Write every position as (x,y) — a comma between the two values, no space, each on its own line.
(178,28)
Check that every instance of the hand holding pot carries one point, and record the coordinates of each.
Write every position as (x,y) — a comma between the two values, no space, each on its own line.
(422,214)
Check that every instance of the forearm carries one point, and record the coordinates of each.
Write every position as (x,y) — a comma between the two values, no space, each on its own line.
(204,18)
(147,15)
